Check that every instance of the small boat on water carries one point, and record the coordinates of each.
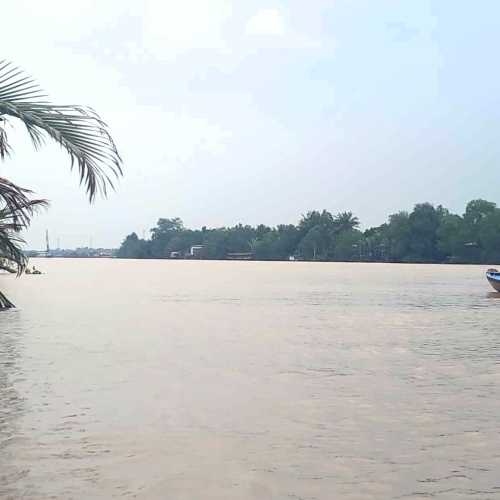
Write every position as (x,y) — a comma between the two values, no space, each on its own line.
(32,271)
(493,276)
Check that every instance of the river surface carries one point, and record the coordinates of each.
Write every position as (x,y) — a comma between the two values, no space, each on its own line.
(247,380)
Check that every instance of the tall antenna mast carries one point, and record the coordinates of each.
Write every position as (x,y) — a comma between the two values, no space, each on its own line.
(47,241)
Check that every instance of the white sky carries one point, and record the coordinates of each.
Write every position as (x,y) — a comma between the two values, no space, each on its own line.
(256,111)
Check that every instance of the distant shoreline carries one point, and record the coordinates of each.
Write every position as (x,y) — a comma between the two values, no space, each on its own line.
(165,259)
(428,234)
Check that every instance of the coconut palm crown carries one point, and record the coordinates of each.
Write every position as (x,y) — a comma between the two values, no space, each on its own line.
(78,130)
(345,221)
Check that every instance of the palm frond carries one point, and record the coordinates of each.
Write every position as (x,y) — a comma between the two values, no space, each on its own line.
(16,211)
(78,130)
(16,206)
(10,250)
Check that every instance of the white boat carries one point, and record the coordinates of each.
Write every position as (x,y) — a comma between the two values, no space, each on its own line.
(493,276)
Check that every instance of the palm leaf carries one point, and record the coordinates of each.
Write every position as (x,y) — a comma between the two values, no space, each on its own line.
(78,130)
(16,211)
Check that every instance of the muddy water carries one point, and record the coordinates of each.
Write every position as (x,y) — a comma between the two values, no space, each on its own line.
(243,380)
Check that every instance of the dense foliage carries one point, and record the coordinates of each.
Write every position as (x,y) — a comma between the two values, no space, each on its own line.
(427,234)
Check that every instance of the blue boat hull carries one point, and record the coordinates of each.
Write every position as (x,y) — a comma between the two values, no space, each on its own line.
(493,277)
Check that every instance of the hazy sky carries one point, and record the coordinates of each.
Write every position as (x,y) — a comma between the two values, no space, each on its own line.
(257,111)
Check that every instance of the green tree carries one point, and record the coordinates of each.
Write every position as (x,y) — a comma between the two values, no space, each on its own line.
(265,247)
(215,241)
(133,248)
(167,226)
(317,232)
(312,246)
(276,244)
(477,210)
(165,230)
(489,237)
(398,234)
(424,223)
(375,245)
(345,221)
(348,245)
(288,239)
(450,237)
(239,238)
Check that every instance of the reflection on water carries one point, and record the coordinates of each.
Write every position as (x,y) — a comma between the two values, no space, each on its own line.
(228,380)
(11,403)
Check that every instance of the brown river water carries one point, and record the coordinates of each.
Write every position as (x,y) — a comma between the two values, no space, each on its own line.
(248,380)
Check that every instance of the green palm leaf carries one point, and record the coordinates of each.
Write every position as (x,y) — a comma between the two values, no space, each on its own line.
(16,210)
(78,130)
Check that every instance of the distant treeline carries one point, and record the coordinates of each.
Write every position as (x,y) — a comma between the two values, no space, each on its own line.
(427,234)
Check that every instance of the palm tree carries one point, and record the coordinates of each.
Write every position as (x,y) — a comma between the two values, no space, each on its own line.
(345,221)
(78,130)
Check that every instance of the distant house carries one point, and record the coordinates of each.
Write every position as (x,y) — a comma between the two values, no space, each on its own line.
(105,252)
(197,251)
(175,255)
